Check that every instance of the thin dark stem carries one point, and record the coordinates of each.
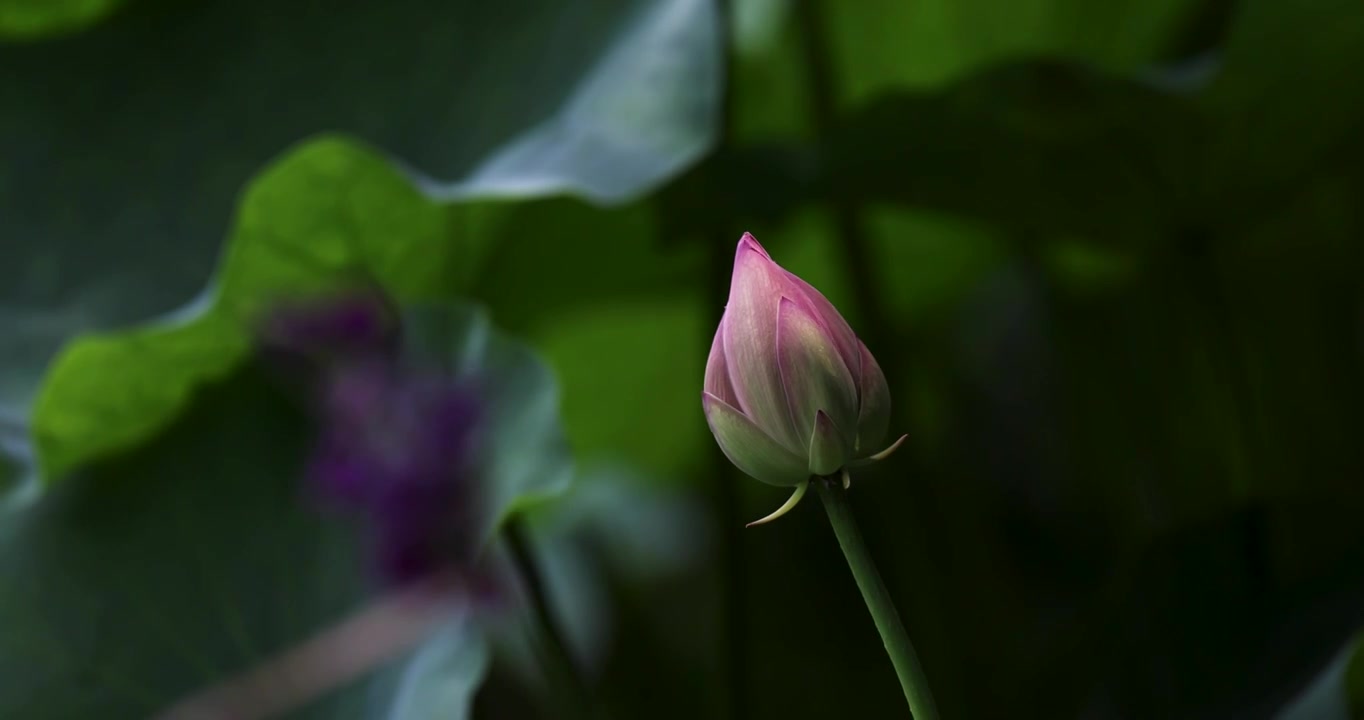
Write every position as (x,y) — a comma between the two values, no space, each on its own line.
(559,664)
(1253,442)
(1219,316)
(735,593)
(879,602)
(734,628)
(735,581)
(852,232)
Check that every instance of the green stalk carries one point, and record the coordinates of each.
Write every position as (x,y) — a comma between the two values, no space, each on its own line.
(882,608)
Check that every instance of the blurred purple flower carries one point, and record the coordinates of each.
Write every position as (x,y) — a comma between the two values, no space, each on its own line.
(332,329)
(397,445)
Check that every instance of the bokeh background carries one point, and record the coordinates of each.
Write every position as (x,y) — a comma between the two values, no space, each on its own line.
(1108,253)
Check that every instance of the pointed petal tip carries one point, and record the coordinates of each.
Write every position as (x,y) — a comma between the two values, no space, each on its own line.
(786,506)
(751,243)
(751,261)
(878,457)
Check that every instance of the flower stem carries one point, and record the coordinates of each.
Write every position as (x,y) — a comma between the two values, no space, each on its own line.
(562,670)
(878,600)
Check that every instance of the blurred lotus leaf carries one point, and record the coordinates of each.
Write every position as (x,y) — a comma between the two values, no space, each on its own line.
(329,215)
(1337,693)
(159,570)
(36,19)
(112,222)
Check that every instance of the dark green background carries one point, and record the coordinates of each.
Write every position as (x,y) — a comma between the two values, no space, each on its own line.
(1109,255)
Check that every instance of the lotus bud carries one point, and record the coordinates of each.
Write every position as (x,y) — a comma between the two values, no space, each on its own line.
(790,391)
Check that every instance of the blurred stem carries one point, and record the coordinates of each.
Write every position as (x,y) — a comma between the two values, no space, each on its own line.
(735,588)
(1252,443)
(852,233)
(734,664)
(878,600)
(1210,295)
(565,680)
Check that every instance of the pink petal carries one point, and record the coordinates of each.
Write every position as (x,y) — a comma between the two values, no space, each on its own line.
(717,380)
(824,311)
(873,416)
(813,375)
(829,318)
(749,335)
(752,243)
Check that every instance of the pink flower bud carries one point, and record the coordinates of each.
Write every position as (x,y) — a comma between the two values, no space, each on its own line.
(790,391)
